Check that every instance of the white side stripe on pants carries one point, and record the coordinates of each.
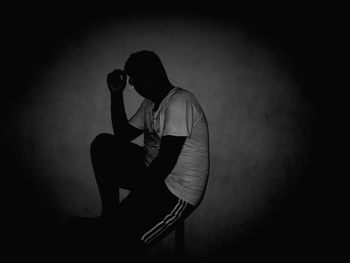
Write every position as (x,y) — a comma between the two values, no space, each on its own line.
(163,225)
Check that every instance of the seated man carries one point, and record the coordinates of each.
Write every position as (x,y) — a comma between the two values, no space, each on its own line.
(168,175)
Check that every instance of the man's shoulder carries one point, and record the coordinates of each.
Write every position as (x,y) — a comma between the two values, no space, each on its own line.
(182,94)
(181,97)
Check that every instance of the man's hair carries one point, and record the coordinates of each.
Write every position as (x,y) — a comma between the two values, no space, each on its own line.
(147,66)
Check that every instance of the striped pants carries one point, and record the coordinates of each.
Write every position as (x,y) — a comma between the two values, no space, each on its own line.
(143,217)
(147,219)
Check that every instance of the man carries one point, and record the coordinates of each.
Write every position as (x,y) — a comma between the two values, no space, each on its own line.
(167,177)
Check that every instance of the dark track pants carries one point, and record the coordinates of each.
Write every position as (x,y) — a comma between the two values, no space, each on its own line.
(146,215)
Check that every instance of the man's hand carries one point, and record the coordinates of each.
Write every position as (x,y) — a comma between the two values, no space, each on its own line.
(116,81)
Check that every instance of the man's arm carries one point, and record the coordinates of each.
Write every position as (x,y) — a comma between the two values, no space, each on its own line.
(121,126)
(116,81)
(165,162)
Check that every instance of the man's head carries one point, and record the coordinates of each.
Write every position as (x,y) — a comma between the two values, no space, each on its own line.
(146,73)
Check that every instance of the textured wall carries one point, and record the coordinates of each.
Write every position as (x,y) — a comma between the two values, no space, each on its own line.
(258,121)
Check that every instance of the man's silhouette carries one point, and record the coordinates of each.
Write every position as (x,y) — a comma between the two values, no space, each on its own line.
(167,176)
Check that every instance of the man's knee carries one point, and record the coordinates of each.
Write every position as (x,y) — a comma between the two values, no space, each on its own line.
(106,142)
(101,143)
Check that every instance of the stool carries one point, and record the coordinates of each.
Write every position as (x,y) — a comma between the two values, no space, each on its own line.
(179,235)
(180,238)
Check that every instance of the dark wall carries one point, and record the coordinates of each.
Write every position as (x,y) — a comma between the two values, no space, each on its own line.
(254,80)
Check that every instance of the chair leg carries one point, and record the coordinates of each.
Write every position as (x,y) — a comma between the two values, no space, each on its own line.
(179,239)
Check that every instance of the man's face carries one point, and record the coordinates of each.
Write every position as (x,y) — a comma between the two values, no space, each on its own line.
(141,87)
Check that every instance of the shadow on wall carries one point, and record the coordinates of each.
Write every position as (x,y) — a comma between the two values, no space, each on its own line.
(258,120)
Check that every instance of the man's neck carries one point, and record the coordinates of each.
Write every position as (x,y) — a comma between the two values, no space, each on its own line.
(161,95)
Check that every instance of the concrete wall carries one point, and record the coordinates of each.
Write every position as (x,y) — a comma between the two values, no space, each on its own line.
(258,121)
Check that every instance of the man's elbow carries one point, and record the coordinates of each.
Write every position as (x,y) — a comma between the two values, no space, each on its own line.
(168,163)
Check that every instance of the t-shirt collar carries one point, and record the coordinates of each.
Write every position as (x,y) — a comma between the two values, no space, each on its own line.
(171,92)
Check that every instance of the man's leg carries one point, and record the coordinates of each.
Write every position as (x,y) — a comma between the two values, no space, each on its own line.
(116,163)
(147,217)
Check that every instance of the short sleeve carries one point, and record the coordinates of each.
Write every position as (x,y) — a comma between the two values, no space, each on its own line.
(178,118)
(137,120)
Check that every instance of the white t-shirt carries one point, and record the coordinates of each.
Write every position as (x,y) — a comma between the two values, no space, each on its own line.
(179,114)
